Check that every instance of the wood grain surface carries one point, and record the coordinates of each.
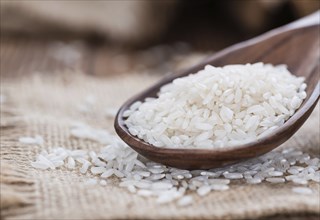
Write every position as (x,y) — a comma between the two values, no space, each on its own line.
(23,57)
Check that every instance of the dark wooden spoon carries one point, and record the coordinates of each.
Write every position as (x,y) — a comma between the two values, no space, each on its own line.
(296,45)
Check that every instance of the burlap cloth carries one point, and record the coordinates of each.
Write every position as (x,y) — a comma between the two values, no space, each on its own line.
(47,105)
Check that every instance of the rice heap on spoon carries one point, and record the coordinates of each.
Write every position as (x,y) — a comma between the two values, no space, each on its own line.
(218,107)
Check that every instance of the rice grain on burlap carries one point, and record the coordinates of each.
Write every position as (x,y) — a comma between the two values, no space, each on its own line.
(48,105)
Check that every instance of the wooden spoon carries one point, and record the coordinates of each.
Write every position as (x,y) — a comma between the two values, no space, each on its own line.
(296,45)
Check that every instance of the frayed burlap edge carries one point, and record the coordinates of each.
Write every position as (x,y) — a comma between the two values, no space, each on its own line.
(16,185)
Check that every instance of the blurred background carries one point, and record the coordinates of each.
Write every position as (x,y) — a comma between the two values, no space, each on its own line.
(113,37)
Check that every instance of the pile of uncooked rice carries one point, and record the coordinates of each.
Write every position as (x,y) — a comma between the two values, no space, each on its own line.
(149,179)
(218,106)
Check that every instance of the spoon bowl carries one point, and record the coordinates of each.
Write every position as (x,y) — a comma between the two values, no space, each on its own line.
(296,45)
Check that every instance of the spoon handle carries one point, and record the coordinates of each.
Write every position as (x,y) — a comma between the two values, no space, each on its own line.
(305,22)
(309,20)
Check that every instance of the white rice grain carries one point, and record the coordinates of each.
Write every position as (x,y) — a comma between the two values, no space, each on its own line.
(302,190)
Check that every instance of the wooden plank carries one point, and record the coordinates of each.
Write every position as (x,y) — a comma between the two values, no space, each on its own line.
(21,57)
